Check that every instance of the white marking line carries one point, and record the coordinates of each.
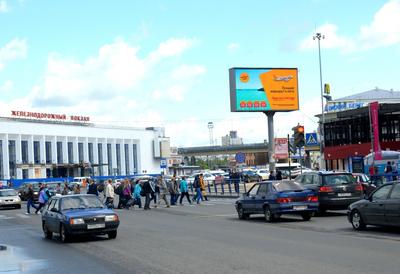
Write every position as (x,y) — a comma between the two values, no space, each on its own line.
(4,217)
(22,216)
(219,215)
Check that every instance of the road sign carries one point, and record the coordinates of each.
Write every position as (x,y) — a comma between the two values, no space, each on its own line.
(240,157)
(163,163)
(311,139)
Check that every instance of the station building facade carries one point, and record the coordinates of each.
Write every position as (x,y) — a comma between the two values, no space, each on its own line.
(41,148)
(347,128)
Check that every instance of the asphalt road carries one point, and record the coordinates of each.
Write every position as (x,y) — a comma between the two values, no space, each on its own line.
(202,239)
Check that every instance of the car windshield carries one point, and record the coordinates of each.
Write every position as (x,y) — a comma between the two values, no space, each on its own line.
(80,202)
(288,186)
(338,179)
(8,192)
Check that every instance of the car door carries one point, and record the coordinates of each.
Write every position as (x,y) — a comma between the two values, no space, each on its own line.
(392,207)
(261,198)
(249,200)
(50,216)
(374,211)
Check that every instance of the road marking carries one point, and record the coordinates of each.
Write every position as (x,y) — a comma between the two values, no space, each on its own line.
(4,217)
(218,215)
(22,216)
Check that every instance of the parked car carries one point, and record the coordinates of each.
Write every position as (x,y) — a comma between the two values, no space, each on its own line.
(80,180)
(23,191)
(9,198)
(76,215)
(263,173)
(274,198)
(381,208)
(335,190)
(250,176)
(366,183)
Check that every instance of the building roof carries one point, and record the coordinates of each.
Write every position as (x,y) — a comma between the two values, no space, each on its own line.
(376,94)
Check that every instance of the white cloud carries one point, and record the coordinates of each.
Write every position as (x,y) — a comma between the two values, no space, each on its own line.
(15,49)
(171,47)
(232,47)
(383,31)
(7,86)
(4,6)
(188,71)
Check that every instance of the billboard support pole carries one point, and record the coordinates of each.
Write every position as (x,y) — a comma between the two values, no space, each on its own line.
(270,115)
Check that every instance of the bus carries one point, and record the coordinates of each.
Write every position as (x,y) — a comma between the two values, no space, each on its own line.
(387,156)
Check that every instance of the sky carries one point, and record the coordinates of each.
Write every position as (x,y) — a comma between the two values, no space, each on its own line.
(165,63)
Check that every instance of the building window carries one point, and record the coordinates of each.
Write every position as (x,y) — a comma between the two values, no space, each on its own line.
(118,153)
(36,152)
(126,148)
(135,167)
(90,150)
(12,158)
(24,151)
(100,155)
(109,160)
(80,152)
(60,157)
(48,152)
(70,152)
(25,173)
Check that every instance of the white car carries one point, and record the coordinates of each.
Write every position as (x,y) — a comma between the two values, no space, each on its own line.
(9,198)
(264,173)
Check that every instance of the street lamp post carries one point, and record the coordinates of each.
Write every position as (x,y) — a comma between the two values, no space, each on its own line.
(319,36)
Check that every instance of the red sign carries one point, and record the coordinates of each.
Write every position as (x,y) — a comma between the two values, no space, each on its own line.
(281,148)
(374,115)
(49,116)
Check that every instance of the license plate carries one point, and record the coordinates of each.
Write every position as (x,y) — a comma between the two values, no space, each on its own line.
(299,207)
(344,194)
(94,226)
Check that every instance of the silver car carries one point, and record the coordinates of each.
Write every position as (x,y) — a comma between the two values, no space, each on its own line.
(9,198)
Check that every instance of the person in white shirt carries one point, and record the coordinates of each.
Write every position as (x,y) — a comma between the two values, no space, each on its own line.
(109,193)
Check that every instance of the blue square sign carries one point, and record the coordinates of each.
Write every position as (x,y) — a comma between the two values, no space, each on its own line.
(311,139)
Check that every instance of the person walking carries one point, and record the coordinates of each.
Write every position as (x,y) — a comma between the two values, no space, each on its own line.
(173,190)
(43,198)
(65,190)
(203,187)
(58,189)
(92,189)
(272,176)
(136,195)
(183,187)
(146,189)
(127,193)
(163,190)
(196,185)
(109,194)
(30,199)
(77,189)
(153,195)
(279,175)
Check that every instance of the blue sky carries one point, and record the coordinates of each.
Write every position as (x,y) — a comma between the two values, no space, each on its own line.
(165,63)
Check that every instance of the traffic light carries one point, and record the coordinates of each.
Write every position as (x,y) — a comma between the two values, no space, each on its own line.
(298,136)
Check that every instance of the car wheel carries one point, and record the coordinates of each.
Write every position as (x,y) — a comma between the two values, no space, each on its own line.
(112,234)
(306,216)
(64,237)
(47,233)
(241,214)
(357,221)
(268,215)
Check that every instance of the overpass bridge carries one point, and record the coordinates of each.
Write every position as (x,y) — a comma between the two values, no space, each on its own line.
(223,150)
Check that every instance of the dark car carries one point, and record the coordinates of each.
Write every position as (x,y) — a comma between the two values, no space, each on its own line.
(250,176)
(366,183)
(23,191)
(381,208)
(274,198)
(78,214)
(335,190)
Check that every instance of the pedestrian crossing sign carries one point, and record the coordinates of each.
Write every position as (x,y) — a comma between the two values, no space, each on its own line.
(311,139)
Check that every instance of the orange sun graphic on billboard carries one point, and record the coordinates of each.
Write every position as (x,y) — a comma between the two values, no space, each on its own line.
(244,77)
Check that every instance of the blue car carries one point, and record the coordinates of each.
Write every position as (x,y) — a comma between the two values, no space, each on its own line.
(274,198)
(76,215)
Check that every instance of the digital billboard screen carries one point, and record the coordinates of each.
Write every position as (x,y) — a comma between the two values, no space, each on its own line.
(263,89)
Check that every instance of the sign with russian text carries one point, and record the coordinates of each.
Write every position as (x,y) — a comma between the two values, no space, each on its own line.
(374,115)
(263,89)
(281,148)
(48,116)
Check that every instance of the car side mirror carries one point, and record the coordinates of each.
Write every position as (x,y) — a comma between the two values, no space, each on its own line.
(54,210)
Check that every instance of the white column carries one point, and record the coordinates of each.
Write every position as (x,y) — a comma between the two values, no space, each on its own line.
(65,150)
(6,159)
(122,154)
(86,150)
(31,172)
(18,155)
(130,149)
(96,151)
(43,156)
(54,150)
(114,154)
(138,157)
(105,159)
(75,150)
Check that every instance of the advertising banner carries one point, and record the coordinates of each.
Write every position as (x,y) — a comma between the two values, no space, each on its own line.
(263,89)
(374,118)
(281,148)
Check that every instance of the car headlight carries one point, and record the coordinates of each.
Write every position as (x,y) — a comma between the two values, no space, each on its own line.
(35,193)
(18,199)
(76,221)
(111,218)
(1,200)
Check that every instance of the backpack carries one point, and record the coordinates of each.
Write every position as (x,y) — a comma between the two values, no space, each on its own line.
(119,190)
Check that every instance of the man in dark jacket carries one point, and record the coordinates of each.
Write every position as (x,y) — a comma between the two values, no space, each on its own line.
(147,192)
(30,199)
(92,188)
